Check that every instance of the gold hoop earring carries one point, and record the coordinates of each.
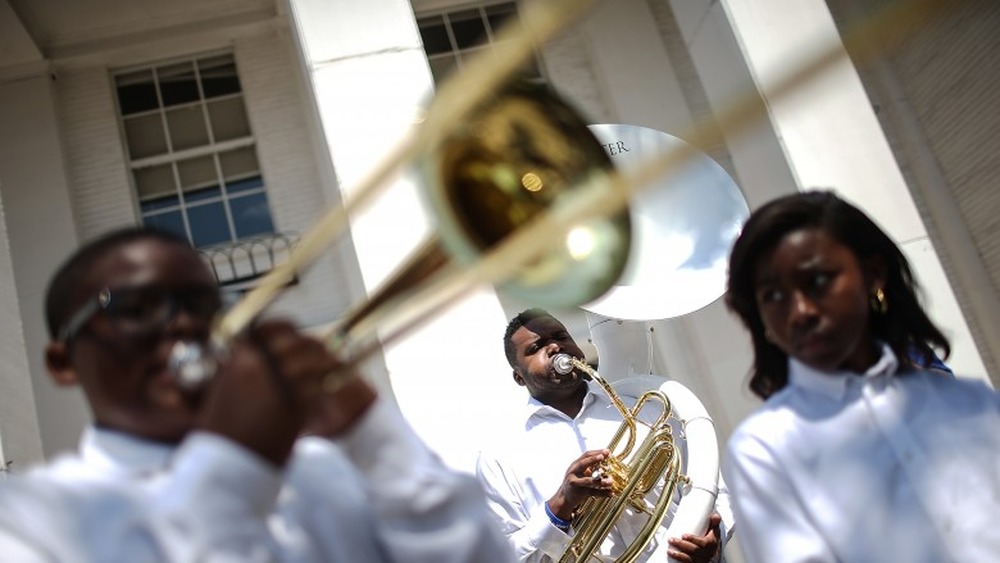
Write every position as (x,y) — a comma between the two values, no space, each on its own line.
(878,302)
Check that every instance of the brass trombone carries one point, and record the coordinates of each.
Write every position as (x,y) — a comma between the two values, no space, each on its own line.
(596,193)
(571,246)
(500,156)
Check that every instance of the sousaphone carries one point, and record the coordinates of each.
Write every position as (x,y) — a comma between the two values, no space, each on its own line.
(683,228)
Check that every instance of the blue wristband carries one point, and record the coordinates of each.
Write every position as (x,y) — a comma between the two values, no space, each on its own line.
(557,521)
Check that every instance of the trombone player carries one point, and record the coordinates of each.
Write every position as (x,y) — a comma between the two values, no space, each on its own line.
(222,472)
(538,476)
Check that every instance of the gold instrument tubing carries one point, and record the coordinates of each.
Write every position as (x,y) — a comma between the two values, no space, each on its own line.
(459,96)
(863,42)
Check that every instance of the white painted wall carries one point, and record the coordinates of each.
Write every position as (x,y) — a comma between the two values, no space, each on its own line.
(39,232)
(370,77)
(88,193)
(832,138)
(943,136)
(102,193)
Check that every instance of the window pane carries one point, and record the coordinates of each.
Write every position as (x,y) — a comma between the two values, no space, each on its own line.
(187,128)
(244,185)
(229,119)
(498,15)
(136,92)
(251,215)
(208,224)
(239,163)
(144,136)
(159,204)
(177,113)
(177,84)
(466,56)
(218,76)
(441,67)
(199,180)
(155,182)
(204,193)
(468,28)
(170,221)
(434,35)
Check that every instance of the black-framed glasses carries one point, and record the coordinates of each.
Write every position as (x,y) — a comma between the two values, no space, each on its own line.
(143,310)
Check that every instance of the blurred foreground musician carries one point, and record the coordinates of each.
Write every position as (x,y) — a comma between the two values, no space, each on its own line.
(165,474)
(543,470)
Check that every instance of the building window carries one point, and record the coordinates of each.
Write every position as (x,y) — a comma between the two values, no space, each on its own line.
(192,155)
(450,38)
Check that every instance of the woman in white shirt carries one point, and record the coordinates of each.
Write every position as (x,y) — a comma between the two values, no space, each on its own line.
(857,453)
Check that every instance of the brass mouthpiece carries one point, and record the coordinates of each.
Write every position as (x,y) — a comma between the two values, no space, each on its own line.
(564,364)
(192,364)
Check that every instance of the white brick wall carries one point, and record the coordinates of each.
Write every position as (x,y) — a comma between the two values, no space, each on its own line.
(951,76)
(98,178)
(20,440)
(948,75)
(277,112)
(103,198)
(569,70)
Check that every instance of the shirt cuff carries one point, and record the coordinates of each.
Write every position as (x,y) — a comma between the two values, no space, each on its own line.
(548,539)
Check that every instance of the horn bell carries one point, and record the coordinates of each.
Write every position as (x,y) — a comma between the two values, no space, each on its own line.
(682,229)
(524,149)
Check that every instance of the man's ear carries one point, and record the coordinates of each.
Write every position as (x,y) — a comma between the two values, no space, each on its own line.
(517,377)
(60,363)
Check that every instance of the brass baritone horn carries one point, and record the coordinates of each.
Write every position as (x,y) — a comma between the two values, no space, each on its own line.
(636,471)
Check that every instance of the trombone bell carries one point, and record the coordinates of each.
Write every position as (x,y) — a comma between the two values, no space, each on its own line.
(509,163)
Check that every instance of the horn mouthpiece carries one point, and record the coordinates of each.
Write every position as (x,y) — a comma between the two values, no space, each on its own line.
(192,365)
(562,363)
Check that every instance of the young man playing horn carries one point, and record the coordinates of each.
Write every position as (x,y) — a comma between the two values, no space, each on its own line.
(167,474)
(545,468)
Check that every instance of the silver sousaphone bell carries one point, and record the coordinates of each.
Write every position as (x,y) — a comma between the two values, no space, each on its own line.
(682,229)
(683,226)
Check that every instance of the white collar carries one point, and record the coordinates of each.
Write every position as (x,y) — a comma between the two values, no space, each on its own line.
(119,451)
(534,407)
(834,383)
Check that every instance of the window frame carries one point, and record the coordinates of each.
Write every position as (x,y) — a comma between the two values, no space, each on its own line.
(175,157)
(457,53)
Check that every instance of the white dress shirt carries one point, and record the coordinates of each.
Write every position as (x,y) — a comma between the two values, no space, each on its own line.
(212,507)
(527,463)
(878,467)
(376,495)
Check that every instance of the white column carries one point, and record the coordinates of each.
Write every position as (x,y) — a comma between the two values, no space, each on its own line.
(832,139)
(370,77)
(632,67)
(35,239)
(758,160)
